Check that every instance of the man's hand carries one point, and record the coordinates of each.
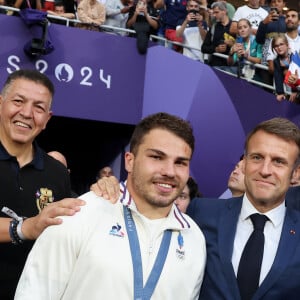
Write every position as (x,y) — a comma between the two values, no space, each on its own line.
(280,97)
(108,188)
(34,226)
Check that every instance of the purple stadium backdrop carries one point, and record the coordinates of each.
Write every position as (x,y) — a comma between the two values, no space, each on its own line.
(101,77)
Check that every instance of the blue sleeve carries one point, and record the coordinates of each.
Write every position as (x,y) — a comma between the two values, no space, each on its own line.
(261,33)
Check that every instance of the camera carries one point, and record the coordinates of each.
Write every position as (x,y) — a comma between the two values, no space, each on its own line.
(274,9)
(275,13)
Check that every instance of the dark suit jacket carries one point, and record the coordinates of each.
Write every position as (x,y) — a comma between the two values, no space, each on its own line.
(293,198)
(218,219)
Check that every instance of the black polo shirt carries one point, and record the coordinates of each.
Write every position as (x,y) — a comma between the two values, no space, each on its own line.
(26,190)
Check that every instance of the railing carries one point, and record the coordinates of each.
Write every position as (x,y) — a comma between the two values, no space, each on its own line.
(163,41)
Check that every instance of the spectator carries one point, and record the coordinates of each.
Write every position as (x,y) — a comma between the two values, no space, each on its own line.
(193,29)
(143,18)
(217,38)
(281,64)
(30,181)
(174,11)
(230,9)
(273,24)
(116,246)
(252,12)
(91,13)
(189,192)
(246,49)
(236,185)
(292,22)
(59,11)
(117,14)
(104,172)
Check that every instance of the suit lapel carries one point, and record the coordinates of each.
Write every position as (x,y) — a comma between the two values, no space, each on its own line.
(227,228)
(288,241)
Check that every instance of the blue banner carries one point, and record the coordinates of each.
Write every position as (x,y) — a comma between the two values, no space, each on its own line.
(97,76)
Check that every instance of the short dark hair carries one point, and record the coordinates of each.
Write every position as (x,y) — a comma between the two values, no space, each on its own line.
(193,189)
(281,127)
(32,75)
(295,10)
(59,3)
(174,124)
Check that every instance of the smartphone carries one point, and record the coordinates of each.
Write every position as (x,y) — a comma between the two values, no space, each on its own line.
(194,11)
(239,40)
(274,9)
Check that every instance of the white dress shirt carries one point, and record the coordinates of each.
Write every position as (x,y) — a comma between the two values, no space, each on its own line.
(272,232)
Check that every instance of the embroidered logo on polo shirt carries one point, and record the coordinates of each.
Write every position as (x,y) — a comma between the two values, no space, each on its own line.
(116,231)
(43,196)
(180,252)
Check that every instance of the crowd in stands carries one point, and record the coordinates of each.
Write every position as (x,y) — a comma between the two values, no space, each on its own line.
(233,39)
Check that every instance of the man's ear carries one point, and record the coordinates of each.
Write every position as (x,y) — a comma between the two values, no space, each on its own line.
(296,174)
(129,160)
(49,117)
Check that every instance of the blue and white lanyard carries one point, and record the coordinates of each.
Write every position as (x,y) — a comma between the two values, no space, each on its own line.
(145,292)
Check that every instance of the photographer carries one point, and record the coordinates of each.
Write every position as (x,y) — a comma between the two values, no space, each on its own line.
(193,29)
(143,18)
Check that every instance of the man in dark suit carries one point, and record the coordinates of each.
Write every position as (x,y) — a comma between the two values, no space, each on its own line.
(272,156)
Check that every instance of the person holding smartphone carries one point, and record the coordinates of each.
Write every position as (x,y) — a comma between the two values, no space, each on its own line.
(273,24)
(193,29)
(246,50)
(143,18)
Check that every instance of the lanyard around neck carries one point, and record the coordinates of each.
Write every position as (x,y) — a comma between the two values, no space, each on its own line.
(144,292)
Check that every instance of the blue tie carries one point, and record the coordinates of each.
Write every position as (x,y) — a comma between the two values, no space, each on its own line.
(250,263)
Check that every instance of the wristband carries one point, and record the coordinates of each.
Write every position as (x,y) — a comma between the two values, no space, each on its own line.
(15,226)
(15,239)
(19,229)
